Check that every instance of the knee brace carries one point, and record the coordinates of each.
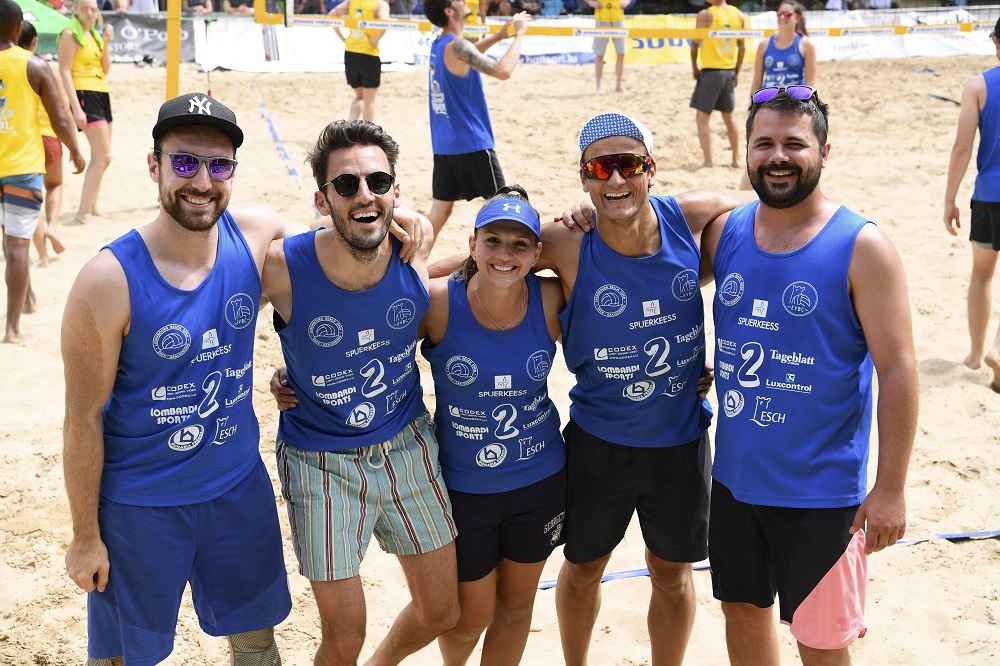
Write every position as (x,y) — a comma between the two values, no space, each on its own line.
(253,648)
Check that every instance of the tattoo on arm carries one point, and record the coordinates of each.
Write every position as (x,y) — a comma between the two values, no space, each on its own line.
(468,54)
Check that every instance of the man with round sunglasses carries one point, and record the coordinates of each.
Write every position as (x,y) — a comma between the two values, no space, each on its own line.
(165,480)
(633,334)
(357,455)
(980,111)
(810,299)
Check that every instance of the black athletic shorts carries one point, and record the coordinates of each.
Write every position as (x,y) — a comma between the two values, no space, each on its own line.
(362,70)
(757,551)
(522,525)
(668,487)
(96,106)
(466,176)
(984,230)
(715,91)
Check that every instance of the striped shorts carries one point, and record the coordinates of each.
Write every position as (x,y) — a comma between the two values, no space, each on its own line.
(338,499)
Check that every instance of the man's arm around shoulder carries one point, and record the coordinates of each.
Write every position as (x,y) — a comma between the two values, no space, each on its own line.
(701,207)
(561,253)
(94,322)
(879,295)
(260,225)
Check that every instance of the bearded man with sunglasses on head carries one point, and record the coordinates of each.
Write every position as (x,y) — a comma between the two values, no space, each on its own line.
(165,480)
(633,333)
(357,456)
(811,298)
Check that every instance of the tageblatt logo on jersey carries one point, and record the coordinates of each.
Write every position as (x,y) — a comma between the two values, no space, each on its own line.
(538,365)
(639,391)
(732,403)
(491,455)
(171,341)
(239,310)
(731,289)
(461,370)
(325,331)
(400,314)
(610,300)
(186,438)
(361,415)
(799,299)
(685,285)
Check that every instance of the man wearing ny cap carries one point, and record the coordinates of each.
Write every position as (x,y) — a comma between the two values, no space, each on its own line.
(25,82)
(980,110)
(633,333)
(166,485)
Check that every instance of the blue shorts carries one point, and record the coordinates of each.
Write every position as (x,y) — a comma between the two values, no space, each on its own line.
(228,548)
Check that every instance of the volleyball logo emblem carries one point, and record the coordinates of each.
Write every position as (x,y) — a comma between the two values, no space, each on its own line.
(325,331)
(610,300)
(171,341)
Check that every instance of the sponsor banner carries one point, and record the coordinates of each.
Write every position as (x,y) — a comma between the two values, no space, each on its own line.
(141,37)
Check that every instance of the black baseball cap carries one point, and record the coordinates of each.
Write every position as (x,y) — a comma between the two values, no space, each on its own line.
(197,109)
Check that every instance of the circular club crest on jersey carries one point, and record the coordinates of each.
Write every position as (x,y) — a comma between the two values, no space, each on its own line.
(186,438)
(610,300)
(461,370)
(240,309)
(491,455)
(731,289)
(685,285)
(799,299)
(732,403)
(538,365)
(325,331)
(171,341)
(361,415)
(400,314)
(639,391)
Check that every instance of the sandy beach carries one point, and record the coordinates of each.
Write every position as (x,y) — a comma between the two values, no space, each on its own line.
(933,601)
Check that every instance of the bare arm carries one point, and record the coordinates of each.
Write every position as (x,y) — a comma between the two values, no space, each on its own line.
(808,49)
(561,253)
(973,99)
(878,292)
(381,13)
(741,51)
(472,54)
(46,85)
(709,243)
(67,51)
(758,66)
(261,225)
(96,318)
(109,34)
(701,207)
(704,20)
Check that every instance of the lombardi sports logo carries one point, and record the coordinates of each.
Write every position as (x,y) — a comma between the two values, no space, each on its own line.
(732,289)
(240,310)
(610,300)
(800,299)
(171,341)
(685,285)
(538,365)
(325,331)
(400,313)
(461,370)
(732,403)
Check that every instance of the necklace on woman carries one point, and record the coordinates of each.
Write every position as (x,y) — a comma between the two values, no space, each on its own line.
(519,312)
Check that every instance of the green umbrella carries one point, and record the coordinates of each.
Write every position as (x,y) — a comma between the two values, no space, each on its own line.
(47,21)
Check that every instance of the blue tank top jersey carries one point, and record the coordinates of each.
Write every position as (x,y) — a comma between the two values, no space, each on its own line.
(784,67)
(634,335)
(460,120)
(988,158)
(179,427)
(350,354)
(497,428)
(792,369)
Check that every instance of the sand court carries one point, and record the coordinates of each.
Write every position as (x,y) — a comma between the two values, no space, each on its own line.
(935,601)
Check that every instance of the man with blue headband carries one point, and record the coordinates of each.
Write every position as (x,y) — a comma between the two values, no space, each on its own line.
(633,333)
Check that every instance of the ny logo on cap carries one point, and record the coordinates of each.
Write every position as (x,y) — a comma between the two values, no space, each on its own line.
(200,105)
(516,207)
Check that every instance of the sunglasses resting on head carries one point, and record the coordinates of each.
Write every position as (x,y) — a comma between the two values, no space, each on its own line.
(347,184)
(187,165)
(798,92)
(628,165)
